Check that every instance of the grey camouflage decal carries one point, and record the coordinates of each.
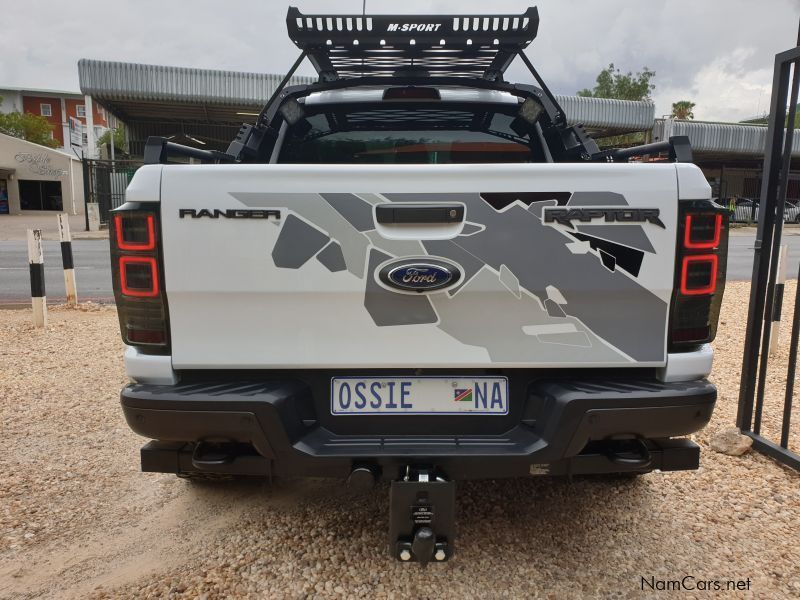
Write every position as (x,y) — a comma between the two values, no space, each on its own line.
(331,256)
(551,299)
(357,212)
(297,242)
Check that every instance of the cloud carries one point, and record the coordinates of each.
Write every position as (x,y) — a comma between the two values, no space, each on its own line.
(723,90)
(690,44)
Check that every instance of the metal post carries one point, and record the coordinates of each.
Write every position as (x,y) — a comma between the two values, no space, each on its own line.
(775,209)
(36,266)
(72,187)
(763,245)
(91,141)
(111,133)
(86,189)
(790,372)
(560,116)
(281,85)
(66,259)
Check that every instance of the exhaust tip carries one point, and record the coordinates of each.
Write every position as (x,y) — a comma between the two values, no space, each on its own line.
(362,478)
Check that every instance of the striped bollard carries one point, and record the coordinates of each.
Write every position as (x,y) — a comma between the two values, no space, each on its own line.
(66,259)
(36,263)
(780,283)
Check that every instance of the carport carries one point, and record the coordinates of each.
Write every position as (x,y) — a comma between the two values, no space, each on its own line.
(730,154)
(205,108)
(196,107)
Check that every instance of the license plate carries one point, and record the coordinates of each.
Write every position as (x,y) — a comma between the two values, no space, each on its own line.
(419,395)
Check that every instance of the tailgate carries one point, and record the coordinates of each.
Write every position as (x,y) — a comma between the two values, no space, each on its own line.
(452,266)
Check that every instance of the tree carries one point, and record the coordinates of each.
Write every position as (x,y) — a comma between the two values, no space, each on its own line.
(119,139)
(612,83)
(683,109)
(29,127)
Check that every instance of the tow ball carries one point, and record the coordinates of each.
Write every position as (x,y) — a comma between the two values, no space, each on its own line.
(422,516)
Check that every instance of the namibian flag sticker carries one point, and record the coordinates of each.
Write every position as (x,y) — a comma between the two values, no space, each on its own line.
(463,395)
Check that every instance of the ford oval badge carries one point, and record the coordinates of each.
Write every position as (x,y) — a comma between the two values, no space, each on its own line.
(421,275)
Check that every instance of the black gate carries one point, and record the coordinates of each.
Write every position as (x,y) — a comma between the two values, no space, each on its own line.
(104,183)
(766,297)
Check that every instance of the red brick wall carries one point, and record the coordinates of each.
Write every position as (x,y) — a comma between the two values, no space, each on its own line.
(72,111)
(32,104)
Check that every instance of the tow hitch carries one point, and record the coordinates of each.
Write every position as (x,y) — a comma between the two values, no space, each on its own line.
(422,516)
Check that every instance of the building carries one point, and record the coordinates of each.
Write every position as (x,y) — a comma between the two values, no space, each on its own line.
(37,178)
(205,108)
(196,107)
(730,154)
(58,107)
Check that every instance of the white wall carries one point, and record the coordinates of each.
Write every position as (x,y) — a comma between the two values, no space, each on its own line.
(23,160)
(12,101)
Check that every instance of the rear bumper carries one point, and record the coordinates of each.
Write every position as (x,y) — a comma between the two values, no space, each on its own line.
(550,430)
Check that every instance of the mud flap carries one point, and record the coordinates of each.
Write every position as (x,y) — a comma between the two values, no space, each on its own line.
(422,517)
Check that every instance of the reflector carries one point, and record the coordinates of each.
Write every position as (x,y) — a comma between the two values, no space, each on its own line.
(147,336)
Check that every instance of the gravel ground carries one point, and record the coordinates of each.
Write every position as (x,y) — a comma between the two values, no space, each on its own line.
(78,519)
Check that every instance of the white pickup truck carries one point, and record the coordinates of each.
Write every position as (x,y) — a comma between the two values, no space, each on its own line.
(415,271)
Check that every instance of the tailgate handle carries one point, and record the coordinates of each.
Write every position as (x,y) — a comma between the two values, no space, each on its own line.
(388,214)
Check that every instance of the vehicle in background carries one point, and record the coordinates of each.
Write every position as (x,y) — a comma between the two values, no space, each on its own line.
(791,213)
(746,211)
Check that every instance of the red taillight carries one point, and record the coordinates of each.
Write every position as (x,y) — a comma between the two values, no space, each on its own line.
(138,276)
(135,233)
(699,274)
(701,255)
(702,232)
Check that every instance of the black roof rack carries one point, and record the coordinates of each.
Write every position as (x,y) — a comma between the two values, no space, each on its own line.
(347,46)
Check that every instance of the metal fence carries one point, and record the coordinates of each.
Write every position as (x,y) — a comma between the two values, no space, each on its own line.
(766,297)
(745,213)
(105,182)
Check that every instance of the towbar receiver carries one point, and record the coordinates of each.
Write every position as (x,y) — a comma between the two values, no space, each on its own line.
(422,516)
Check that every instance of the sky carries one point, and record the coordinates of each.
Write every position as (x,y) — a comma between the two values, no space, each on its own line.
(716,53)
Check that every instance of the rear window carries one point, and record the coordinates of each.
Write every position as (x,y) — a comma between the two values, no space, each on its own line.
(413,134)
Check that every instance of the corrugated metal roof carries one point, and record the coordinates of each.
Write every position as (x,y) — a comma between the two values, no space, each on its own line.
(156,83)
(118,81)
(33,91)
(609,114)
(728,138)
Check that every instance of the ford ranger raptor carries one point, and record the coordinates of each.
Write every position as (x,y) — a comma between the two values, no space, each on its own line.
(415,271)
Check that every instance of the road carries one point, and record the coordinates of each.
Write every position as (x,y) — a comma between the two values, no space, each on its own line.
(92,271)
(740,253)
(93,268)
